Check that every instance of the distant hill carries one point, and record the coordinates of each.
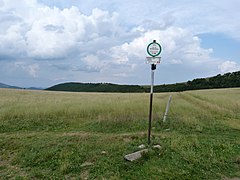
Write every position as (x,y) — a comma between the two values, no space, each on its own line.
(96,87)
(228,80)
(8,86)
(16,87)
(35,88)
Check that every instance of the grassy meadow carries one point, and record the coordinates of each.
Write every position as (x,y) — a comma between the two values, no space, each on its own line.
(63,135)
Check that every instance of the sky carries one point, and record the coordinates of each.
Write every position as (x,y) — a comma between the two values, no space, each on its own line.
(44,43)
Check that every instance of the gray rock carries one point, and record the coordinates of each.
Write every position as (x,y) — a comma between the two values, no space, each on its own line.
(103,152)
(141,146)
(157,147)
(136,155)
(86,164)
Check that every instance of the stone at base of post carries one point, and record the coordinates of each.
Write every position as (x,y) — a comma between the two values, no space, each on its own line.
(136,155)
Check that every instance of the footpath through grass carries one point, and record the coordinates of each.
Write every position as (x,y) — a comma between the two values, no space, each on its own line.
(60,135)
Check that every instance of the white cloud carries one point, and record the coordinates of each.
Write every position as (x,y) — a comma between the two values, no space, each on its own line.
(50,33)
(12,43)
(229,66)
(176,61)
(31,69)
(198,16)
(92,64)
(124,75)
(56,33)
(178,46)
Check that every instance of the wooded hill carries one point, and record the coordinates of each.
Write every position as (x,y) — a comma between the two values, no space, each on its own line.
(96,87)
(228,80)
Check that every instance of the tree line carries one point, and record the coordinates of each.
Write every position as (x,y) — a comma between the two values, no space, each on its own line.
(228,80)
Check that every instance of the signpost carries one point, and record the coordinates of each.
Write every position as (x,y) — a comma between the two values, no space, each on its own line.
(153,49)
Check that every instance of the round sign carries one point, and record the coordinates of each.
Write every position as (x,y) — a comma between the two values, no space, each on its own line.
(154,49)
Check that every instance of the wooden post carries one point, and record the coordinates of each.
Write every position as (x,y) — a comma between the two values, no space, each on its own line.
(167,108)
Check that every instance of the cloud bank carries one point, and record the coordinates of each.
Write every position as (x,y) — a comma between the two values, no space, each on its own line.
(50,43)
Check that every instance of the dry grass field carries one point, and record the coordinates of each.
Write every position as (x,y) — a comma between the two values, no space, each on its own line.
(62,135)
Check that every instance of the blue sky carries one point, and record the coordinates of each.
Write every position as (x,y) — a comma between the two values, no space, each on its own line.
(222,45)
(43,43)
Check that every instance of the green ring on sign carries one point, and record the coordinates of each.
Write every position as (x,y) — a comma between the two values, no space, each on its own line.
(154,55)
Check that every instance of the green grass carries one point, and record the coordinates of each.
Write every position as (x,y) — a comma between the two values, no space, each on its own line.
(51,135)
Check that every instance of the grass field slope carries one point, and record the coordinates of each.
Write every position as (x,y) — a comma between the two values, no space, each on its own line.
(63,135)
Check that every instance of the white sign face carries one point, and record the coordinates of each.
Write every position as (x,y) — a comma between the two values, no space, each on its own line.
(153,60)
(154,49)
